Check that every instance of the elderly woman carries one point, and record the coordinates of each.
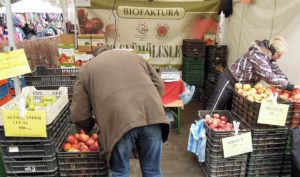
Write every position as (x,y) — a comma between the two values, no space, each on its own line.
(258,63)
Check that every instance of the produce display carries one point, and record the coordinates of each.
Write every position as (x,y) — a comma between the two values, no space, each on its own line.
(293,96)
(258,93)
(81,142)
(45,101)
(218,123)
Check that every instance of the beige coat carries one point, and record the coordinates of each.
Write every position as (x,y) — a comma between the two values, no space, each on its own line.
(123,91)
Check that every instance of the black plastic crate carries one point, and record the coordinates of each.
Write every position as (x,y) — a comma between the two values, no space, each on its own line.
(35,149)
(248,112)
(264,166)
(220,167)
(193,42)
(52,129)
(210,64)
(50,173)
(286,167)
(267,142)
(216,50)
(28,165)
(81,164)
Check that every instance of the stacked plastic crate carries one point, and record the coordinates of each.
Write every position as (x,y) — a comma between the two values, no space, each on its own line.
(28,156)
(52,78)
(4,92)
(11,85)
(269,142)
(215,62)
(193,63)
(286,167)
(215,164)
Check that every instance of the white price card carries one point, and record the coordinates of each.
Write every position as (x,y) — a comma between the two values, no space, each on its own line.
(236,145)
(273,114)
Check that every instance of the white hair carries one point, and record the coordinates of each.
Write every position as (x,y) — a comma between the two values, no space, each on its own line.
(280,44)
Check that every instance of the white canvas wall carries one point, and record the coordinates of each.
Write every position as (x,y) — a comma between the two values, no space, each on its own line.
(262,20)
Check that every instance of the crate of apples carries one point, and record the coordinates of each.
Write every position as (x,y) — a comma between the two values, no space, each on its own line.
(218,123)
(81,142)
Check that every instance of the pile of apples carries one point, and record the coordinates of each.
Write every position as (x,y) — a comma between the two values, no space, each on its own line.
(45,101)
(218,123)
(293,96)
(81,142)
(258,93)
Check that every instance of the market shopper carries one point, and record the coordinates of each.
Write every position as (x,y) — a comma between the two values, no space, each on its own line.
(258,63)
(123,92)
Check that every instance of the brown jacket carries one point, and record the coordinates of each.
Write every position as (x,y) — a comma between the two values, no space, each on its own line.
(123,91)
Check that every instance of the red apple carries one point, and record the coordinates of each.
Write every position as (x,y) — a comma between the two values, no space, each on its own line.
(90,141)
(94,147)
(71,139)
(81,131)
(223,118)
(83,137)
(76,135)
(216,116)
(67,146)
(95,136)
(76,146)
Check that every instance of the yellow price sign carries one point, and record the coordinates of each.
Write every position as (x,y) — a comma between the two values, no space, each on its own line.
(273,114)
(33,125)
(13,64)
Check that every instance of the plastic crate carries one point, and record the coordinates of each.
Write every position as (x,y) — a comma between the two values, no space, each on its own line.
(51,111)
(81,164)
(216,50)
(2,82)
(264,166)
(4,100)
(286,167)
(220,167)
(43,76)
(23,165)
(4,91)
(50,173)
(211,64)
(267,142)
(21,79)
(35,149)
(248,112)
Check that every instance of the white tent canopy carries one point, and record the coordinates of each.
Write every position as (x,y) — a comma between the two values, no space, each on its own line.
(28,6)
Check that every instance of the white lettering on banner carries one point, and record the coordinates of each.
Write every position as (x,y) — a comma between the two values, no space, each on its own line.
(147,12)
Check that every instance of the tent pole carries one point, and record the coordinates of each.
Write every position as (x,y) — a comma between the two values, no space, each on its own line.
(11,40)
(75,24)
(63,6)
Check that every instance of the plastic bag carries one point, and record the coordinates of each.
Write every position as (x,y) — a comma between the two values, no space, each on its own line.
(197,140)
(188,93)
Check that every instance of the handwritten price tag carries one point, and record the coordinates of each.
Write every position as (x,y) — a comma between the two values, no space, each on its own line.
(236,145)
(13,64)
(273,114)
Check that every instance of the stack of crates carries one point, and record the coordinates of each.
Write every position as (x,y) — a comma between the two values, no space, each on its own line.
(4,92)
(215,63)
(269,142)
(193,63)
(29,156)
(52,78)
(215,164)
(286,167)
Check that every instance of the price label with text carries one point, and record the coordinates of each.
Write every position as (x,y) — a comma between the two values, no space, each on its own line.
(32,125)
(13,64)
(273,114)
(236,145)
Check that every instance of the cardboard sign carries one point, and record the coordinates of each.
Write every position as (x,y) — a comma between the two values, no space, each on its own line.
(13,64)
(236,145)
(34,125)
(273,114)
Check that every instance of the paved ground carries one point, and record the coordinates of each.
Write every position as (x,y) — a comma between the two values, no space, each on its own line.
(176,161)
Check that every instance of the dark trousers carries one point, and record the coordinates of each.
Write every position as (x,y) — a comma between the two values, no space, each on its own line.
(221,98)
